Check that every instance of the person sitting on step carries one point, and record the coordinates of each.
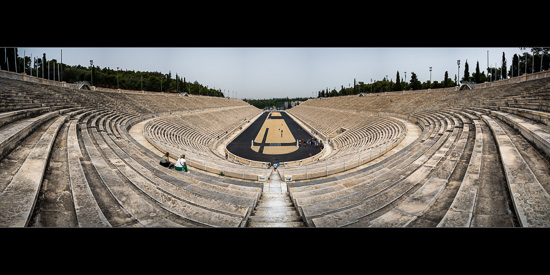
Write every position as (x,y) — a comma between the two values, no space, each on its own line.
(165,161)
(180,164)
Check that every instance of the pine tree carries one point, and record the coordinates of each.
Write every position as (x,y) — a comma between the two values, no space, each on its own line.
(415,83)
(446,80)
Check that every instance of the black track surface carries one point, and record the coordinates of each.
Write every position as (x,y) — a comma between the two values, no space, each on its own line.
(240,146)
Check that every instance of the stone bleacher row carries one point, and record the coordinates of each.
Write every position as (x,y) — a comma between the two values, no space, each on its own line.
(436,181)
(114,180)
(326,122)
(196,134)
(201,201)
(199,131)
(368,137)
(412,185)
(369,133)
(409,168)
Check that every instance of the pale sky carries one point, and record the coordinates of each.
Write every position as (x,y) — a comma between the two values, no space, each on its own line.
(283,72)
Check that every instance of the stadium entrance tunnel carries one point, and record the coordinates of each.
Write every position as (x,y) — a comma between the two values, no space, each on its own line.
(275,138)
(83,85)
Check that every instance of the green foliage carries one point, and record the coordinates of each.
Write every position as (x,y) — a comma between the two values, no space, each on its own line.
(397,86)
(520,64)
(539,59)
(132,80)
(277,102)
(415,83)
(104,77)
(477,74)
(466,72)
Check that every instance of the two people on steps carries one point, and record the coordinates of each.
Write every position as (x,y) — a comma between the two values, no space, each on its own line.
(180,164)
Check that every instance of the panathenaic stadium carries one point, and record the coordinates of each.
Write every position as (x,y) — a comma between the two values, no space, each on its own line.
(469,156)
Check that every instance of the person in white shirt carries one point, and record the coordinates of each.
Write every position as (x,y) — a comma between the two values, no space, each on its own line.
(180,164)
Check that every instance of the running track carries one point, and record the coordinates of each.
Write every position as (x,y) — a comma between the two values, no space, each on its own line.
(240,146)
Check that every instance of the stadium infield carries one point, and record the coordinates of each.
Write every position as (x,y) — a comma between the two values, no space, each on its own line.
(270,145)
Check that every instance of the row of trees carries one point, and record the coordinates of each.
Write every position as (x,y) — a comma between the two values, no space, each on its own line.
(277,102)
(387,85)
(132,80)
(101,77)
(538,60)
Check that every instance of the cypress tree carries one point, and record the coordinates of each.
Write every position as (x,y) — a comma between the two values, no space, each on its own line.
(185,86)
(476,77)
(503,65)
(514,66)
(466,72)
(397,86)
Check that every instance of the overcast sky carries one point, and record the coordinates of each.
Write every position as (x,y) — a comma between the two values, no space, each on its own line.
(282,72)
